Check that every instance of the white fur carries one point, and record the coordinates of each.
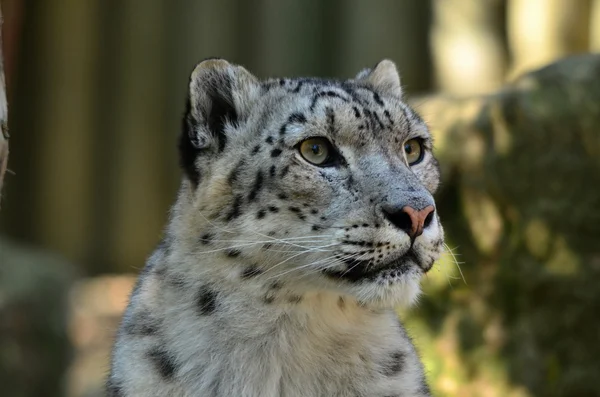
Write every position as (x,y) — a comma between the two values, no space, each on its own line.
(287,329)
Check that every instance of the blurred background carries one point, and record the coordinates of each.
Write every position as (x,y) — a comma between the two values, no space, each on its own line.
(96,89)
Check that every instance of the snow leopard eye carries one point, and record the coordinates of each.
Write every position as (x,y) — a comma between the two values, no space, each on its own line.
(318,151)
(414,151)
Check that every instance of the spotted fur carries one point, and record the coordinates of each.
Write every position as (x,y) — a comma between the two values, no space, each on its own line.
(278,277)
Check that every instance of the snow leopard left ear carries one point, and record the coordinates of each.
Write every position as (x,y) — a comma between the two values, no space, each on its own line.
(383,77)
(220,97)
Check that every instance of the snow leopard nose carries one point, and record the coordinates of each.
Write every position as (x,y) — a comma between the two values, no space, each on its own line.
(410,220)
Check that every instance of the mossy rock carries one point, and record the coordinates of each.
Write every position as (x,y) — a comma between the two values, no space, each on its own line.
(34,346)
(521,200)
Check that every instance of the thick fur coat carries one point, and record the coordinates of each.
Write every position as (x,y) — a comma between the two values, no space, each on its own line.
(278,276)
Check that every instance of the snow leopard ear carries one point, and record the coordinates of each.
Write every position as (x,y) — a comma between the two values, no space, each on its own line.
(383,77)
(220,98)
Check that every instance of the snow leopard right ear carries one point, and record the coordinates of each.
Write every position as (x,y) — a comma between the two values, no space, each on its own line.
(220,98)
(384,77)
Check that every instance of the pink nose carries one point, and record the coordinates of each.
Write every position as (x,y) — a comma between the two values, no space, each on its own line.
(410,220)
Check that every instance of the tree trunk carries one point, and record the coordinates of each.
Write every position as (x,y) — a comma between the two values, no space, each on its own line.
(542,31)
(469,52)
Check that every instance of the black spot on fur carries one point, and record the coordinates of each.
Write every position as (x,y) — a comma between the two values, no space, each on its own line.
(377,99)
(255,150)
(275,152)
(234,175)
(163,362)
(266,87)
(272,171)
(325,94)
(275,285)
(282,196)
(330,120)
(295,299)
(297,118)
(369,118)
(261,214)
(285,170)
(235,208)
(233,253)
(114,389)
(298,212)
(141,324)
(316,228)
(206,238)
(298,87)
(270,140)
(378,121)
(258,182)
(206,300)
(396,363)
(269,298)
(282,82)
(350,90)
(251,271)
(273,209)
(356,112)
(388,116)
(407,121)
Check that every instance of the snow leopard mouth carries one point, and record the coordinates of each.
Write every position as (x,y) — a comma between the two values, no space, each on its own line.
(364,270)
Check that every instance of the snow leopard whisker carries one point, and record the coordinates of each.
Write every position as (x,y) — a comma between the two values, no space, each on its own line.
(233,247)
(294,256)
(271,240)
(330,265)
(301,267)
(450,251)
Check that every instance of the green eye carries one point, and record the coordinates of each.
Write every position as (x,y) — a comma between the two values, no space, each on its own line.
(414,151)
(317,151)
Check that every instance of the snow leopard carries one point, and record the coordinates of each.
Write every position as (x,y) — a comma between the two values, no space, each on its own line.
(305,216)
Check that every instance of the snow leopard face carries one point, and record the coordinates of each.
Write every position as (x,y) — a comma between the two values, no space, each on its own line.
(318,184)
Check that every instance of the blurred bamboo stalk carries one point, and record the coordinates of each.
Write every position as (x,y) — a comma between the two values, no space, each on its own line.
(67,57)
(542,31)
(595,26)
(3,117)
(137,188)
(467,44)
(368,31)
